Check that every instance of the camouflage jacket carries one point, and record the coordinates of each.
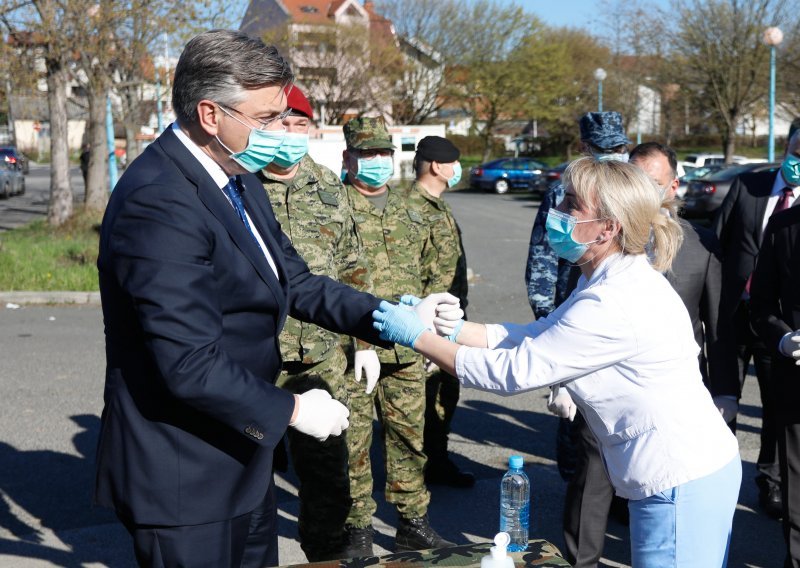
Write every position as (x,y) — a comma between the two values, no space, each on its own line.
(315,213)
(449,263)
(549,279)
(398,247)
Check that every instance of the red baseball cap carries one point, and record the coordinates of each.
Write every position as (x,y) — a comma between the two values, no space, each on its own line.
(297,101)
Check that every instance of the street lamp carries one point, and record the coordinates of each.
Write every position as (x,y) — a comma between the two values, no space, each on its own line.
(600,75)
(772,37)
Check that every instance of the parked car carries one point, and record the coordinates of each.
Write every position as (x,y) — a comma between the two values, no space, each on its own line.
(11,155)
(693,174)
(12,182)
(705,195)
(700,160)
(507,173)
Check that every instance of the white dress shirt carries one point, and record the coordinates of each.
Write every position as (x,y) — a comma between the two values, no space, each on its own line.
(623,343)
(221,179)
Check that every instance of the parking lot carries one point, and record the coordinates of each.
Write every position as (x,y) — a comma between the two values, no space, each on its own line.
(51,377)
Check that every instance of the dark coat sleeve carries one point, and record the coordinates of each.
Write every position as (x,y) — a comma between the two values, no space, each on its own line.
(765,293)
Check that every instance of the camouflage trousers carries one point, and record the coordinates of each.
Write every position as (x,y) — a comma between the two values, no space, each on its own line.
(399,399)
(442,391)
(321,467)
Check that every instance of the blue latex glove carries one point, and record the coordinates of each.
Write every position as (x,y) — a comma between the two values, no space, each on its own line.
(397,324)
(410,300)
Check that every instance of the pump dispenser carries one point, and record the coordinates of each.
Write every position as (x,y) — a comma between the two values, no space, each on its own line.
(498,557)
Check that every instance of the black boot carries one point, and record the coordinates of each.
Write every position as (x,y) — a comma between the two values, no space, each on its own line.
(445,472)
(359,542)
(417,534)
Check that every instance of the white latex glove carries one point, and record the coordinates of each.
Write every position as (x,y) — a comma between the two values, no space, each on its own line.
(727,405)
(426,308)
(366,360)
(448,320)
(430,366)
(790,345)
(561,404)
(319,415)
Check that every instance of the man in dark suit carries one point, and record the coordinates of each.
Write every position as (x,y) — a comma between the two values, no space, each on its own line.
(740,224)
(695,275)
(196,281)
(775,311)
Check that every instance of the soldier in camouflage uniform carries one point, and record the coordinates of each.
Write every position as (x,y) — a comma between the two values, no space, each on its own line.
(314,211)
(437,168)
(397,244)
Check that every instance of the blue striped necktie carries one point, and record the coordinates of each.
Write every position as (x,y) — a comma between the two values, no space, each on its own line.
(235,195)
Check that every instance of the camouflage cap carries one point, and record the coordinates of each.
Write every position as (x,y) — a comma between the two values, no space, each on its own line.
(603,129)
(367,134)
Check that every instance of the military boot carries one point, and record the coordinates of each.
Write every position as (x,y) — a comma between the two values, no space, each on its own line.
(418,534)
(359,542)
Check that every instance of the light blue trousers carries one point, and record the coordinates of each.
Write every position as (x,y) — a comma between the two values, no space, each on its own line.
(688,526)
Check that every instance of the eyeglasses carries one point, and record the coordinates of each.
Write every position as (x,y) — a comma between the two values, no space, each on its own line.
(371,153)
(263,124)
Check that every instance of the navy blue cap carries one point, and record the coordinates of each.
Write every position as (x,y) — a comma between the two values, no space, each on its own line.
(603,129)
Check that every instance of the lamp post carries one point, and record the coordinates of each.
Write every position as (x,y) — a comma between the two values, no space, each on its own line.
(772,37)
(600,75)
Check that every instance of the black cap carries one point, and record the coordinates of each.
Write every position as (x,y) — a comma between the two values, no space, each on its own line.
(437,149)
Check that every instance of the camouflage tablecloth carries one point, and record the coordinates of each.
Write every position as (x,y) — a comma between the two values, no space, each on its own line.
(540,553)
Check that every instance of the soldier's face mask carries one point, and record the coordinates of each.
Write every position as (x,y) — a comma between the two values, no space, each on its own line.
(456,177)
(559,232)
(623,157)
(294,147)
(375,171)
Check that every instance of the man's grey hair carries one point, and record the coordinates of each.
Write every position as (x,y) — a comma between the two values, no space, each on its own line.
(220,66)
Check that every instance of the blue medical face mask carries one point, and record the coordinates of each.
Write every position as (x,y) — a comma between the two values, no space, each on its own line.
(559,232)
(294,147)
(376,171)
(262,146)
(791,169)
(623,157)
(456,175)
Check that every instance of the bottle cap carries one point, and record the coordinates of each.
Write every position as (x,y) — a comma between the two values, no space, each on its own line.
(501,541)
(515,462)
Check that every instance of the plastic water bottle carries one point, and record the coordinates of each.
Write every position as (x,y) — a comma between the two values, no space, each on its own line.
(515,504)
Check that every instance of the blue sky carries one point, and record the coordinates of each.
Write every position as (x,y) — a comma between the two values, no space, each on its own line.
(573,13)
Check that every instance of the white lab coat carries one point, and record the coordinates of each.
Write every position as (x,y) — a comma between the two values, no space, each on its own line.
(623,344)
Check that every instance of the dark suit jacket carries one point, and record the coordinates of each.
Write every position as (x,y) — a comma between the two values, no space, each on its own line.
(192,314)
(738,224)
(695,276)
(775,304)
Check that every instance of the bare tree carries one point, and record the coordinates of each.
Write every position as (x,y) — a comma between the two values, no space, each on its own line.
(36,31)
(345,68)
(427,36)
(721,45)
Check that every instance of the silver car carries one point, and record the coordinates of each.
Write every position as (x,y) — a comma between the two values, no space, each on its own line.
(12,182)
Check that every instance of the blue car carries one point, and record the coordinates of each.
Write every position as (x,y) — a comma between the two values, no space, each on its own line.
(507,173)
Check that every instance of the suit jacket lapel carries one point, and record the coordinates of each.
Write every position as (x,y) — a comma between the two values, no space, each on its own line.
(216,202)
(253,201)
(761,206)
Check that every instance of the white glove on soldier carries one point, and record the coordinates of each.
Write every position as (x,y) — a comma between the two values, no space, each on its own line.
(448,320)
(561,404)
(366,360)
(790,345)
(727,405)
(319,415)
(428,307)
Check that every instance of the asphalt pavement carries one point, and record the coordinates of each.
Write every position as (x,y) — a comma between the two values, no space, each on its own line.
(51,380)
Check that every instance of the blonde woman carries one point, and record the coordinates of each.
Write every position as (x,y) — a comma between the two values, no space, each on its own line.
(623,347)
